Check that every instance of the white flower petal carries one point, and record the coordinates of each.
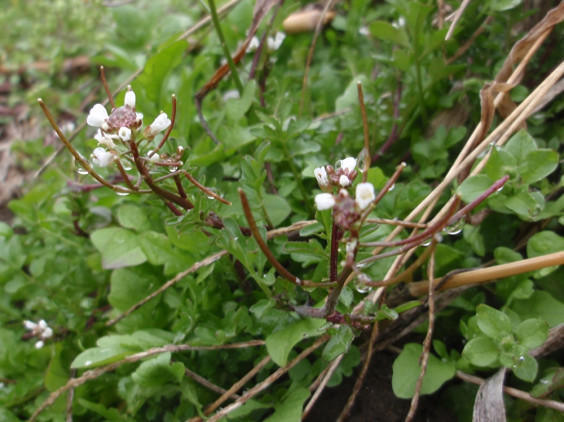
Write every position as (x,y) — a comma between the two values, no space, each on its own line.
(321,176)
(160,124)
(48,332)
(324,201)
(29,325)
(344,181)
(129,98)
(101,157)
(364,195)
(39,344)
(97,116)
(348,163)
(42,324)
(124,133)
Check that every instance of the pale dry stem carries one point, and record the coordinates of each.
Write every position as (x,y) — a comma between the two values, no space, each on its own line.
(97,372)
(551,404)
(268,381)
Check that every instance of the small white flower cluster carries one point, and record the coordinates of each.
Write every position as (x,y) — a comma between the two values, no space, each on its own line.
(363,198)
(121,124)
(40,330)
(342,176)
(272,43)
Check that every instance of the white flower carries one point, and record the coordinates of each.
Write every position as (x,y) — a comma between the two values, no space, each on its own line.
(154,157)
(39,344)
(364,195)
(324,201)
(253,45)
(129,98)
(43,325)
(105,139)
(29,325)
(273,44)
(47,332)
(160,124)
(124,133)
(321,176)
(98,116)
(101,157)
(344,181)
(348,163)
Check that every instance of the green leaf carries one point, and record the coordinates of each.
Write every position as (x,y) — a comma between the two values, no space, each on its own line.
(133,217)
(158,371)
(290,408)
(538,164)
(350,96)
(119,247)
(338,343)
(481,351)
(526,368)
(492,322)
(97,356)
(129,286)
(520,145)
(502,5)
(543,243)
(236,108)
(532,333)
(280,343)
(157,69)
(473,187)
(277,208)
(387,32)
(159,251)
(540,304)
(406,370)
(500,163)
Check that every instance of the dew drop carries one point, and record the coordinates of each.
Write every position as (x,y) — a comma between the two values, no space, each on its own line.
(88,363)
(455,228)
(361,160)
(122,193)
(360,287)
(500,189)
(126,165)
(392,187)
(80,170)
(172,169)
(426,243)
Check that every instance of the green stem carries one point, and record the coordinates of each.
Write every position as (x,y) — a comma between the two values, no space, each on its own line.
(230,62)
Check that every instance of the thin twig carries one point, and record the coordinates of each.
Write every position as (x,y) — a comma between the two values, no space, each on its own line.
(268,381)
(235,387)
(552,404)
(424,360)
(198,265)
(97,372)
(208,384)
(360,379)
(321,382)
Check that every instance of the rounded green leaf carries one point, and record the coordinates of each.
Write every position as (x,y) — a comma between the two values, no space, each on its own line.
(119,247)
(526,368)
(406,370)
(481,351)
(492,322)
(532,333)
